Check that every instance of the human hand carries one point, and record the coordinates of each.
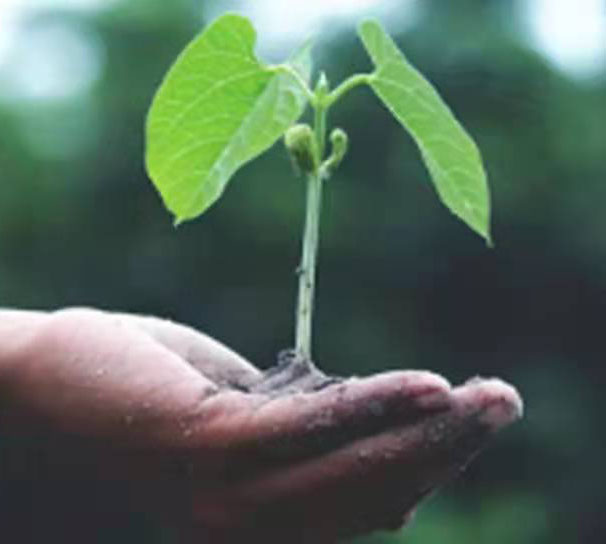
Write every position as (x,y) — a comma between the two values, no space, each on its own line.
(163,417)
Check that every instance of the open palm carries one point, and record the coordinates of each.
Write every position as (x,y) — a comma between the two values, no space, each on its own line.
(174,424)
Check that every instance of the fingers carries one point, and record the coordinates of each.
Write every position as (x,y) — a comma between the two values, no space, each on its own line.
(286,428)
(499,403)
(372,482)
(214,360)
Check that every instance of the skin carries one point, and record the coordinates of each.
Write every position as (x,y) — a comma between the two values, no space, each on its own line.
(118,415)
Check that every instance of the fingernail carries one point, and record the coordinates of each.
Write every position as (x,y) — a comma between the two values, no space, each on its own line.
(503,404)
(429,390)
(495,402)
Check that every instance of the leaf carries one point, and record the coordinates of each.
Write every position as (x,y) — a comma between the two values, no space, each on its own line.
(217,108)
(451,156)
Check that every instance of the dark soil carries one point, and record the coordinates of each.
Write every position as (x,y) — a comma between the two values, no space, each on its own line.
(292,374)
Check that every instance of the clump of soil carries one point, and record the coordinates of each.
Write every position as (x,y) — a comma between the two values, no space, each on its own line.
(292,374)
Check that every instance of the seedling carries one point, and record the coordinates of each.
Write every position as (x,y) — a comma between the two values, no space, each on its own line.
(219,107)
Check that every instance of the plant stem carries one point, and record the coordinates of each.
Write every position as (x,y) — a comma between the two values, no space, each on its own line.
(287,69)
(320,129)
(347,85)
(307,269)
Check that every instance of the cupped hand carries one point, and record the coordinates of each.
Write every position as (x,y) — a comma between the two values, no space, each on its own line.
(164,418)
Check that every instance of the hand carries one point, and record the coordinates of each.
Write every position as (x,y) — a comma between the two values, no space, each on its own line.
(159,418)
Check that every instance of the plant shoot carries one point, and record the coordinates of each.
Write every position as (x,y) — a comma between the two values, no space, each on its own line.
(219,107)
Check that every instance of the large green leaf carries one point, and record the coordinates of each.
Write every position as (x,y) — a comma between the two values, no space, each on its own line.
(450,154)
(217,108)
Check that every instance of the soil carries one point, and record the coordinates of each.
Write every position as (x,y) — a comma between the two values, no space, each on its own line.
(292,374)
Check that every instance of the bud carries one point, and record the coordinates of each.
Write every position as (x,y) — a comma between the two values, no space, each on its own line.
(322,87)
(301,144)
(339,142)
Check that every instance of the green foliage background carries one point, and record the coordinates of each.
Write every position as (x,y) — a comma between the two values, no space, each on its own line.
(401,284)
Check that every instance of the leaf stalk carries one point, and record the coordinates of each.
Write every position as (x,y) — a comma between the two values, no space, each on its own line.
(346,86)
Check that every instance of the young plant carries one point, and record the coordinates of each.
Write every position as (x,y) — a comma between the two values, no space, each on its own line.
(219,107)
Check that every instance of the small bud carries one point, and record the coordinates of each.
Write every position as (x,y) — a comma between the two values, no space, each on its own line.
(322,87)
(339,142)
(301,144)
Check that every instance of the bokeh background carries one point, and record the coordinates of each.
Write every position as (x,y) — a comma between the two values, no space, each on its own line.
(402,283)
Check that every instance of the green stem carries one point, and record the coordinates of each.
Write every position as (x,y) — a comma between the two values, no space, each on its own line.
(346,86)
(286,69)
(307,269)
(320,130)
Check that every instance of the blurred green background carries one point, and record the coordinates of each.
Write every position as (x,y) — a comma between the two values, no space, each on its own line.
(402,283)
